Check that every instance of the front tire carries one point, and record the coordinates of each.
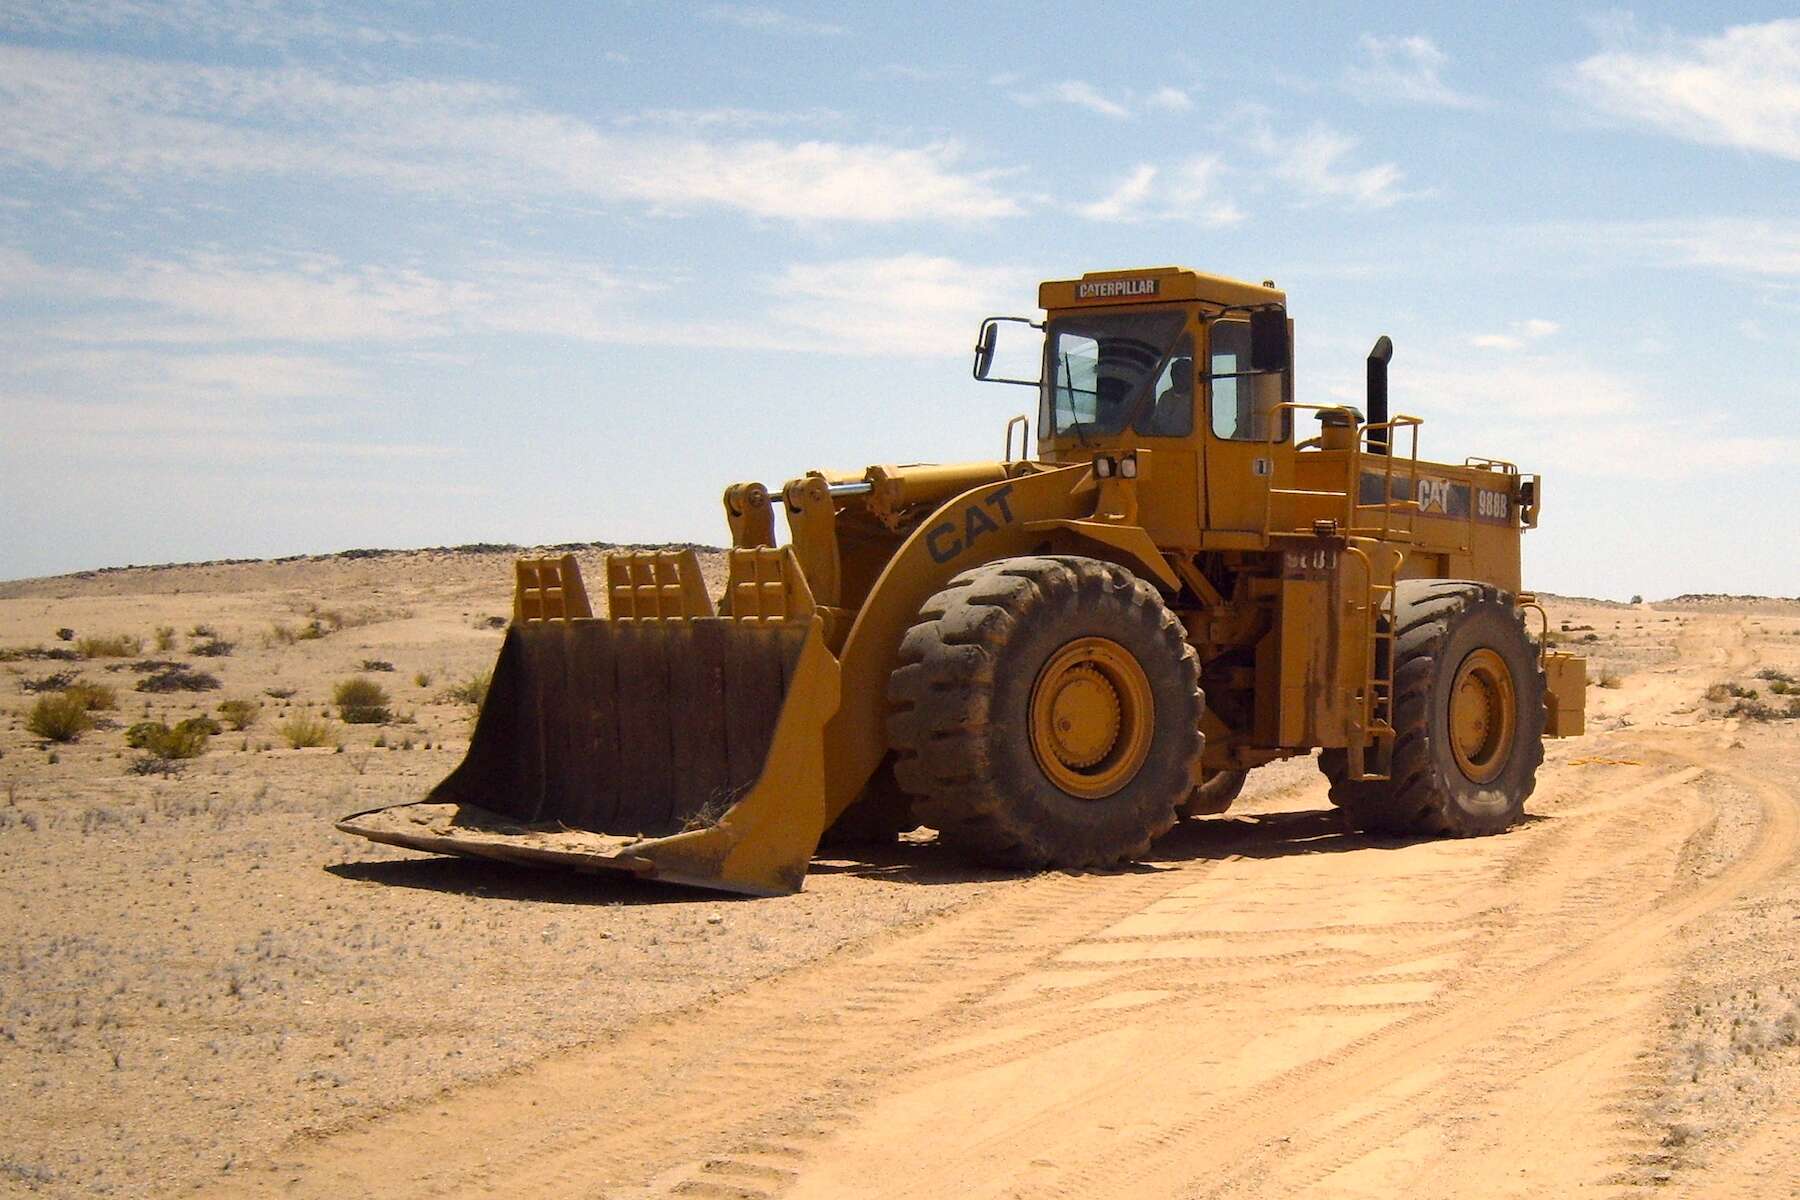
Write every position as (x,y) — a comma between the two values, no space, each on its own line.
(1046,712)
(1468,717)
(1217,791)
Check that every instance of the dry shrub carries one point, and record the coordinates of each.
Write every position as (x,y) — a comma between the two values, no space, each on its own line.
(1752,709)
(118,645)
(96,697)
(59,681)
(240,714)
(361,701)
(165,638)
(377,664)
(212,648)
(303,731)
(178,678)
(59,718)
(1611,679)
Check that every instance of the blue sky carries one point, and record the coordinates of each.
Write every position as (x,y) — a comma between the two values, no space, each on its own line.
(294,278)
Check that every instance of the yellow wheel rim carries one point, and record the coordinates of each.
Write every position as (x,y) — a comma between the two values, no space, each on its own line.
(1092,715)
(1482,715)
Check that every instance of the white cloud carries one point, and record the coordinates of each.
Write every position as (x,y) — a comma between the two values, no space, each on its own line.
(1188,194)
(121,120)
(1314,164)
(241,22)
(727,118)
(911,305)
(153,319)
(1169,99)
(1077,93)
(1523,333)
(1765,251)
(1569,418)
(1739,88)
(1124,202)
(909,72)
(1404,69)
(770,20)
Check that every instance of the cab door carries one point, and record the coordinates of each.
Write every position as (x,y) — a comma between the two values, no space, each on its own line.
(1169,428)
(1249,446)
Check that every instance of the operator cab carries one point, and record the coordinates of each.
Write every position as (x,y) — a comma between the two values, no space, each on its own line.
(1137,352)
(1188,367)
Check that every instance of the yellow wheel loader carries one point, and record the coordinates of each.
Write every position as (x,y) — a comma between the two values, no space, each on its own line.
(1047,659)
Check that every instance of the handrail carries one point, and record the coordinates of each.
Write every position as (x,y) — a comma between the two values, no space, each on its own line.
(1527,600)
(1024,436)
(1277,434)
(1357,452)
(1410,505)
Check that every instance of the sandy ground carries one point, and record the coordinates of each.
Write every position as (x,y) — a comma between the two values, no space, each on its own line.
(203,987)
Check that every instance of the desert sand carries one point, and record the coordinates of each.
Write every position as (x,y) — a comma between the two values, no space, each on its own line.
(205,989)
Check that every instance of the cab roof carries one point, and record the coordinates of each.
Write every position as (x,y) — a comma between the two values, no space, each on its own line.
(1147,285)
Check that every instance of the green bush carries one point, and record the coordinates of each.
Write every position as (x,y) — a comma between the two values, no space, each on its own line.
(303,731)
(187,740)
(118,645)
(472,690)
(59,718)
(240,714)
(361,701)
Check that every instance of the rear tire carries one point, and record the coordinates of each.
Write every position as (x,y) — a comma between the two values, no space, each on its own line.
(1046,712)
(1468,717)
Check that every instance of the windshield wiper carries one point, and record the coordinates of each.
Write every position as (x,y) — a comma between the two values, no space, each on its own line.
(1069,391)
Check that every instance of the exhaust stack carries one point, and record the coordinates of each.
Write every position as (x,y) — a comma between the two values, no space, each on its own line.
(1378,392)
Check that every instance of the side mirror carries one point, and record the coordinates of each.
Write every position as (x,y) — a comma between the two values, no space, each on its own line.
(984,347)
(986,344)
(1269,340)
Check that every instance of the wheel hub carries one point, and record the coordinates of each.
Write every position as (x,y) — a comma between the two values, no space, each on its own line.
(1091,718)
(1482,715)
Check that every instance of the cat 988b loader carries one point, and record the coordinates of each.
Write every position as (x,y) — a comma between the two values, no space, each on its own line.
(1047,659)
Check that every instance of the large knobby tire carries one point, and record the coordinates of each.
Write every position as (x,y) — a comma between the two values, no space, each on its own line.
(1468,717)
(1046,712)
(1215,794)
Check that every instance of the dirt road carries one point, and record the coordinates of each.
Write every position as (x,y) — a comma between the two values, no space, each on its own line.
(205,990)
(1271,1009)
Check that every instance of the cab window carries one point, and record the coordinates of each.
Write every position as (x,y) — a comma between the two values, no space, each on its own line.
(1241,401)
(1101,369)
(1171,411)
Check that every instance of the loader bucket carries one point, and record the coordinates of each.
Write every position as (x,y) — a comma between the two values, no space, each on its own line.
(665,741)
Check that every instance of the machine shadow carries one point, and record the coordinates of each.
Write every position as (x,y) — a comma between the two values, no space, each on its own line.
(918,862)
(514,881)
